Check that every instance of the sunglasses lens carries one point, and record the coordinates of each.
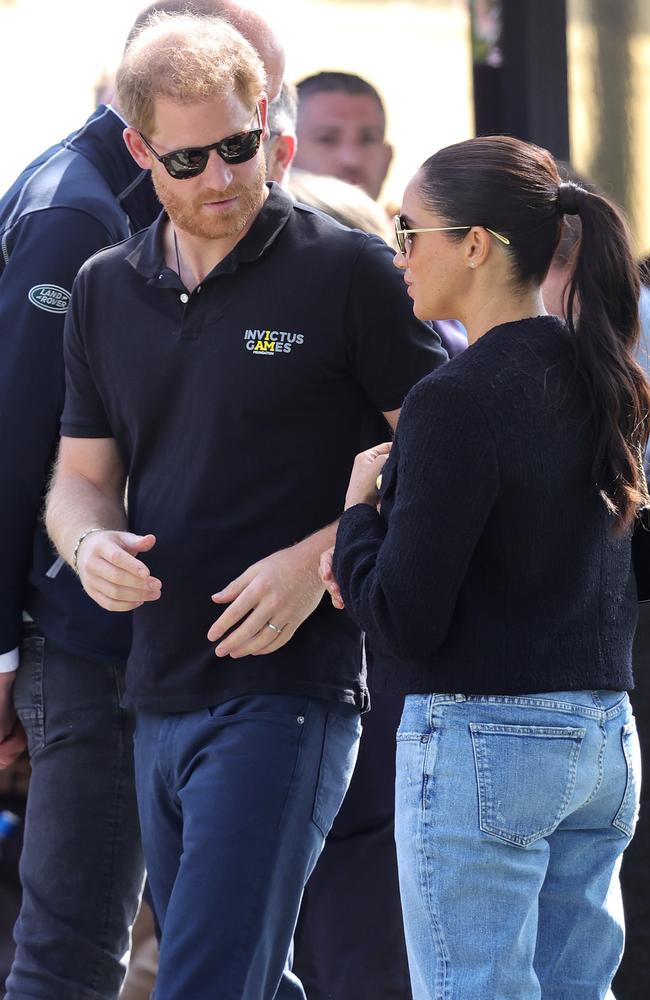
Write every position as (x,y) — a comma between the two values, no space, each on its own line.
(186,162)
(240,148)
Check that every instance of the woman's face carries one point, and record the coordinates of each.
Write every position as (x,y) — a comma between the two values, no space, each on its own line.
(434,270)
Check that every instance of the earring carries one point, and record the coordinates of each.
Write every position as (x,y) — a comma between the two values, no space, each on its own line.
(472,263)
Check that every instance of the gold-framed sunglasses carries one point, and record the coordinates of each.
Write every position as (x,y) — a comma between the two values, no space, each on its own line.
(402,234)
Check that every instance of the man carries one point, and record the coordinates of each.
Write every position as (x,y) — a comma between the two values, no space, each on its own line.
(280,147)
(224,362)
(81,866)
(341,126)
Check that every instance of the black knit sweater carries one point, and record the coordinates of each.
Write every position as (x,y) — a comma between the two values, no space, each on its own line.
(492,567)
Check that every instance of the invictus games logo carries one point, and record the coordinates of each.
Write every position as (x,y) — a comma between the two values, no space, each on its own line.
(268,343)
(51,298)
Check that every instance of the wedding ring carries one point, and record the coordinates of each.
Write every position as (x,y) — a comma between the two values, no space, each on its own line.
(275,628)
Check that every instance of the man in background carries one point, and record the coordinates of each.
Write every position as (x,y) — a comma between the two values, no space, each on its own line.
(280,147)
(81,866)
(341,130)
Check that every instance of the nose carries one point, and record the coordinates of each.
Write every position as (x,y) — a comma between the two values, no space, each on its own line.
(350,154)
(218,173)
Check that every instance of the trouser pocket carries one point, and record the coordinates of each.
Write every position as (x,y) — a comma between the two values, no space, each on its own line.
(28,690)
(526,777)
(340,746)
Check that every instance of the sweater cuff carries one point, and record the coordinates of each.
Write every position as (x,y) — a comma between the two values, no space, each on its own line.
(9,661)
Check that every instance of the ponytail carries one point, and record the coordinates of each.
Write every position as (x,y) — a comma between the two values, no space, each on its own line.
(603,318)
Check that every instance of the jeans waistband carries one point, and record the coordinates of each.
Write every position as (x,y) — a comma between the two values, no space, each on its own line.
(591,704)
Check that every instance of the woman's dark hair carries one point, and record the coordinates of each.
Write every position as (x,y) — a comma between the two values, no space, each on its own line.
(514,188)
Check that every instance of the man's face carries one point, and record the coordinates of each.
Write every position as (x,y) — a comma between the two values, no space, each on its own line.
(343,135)
(221,202)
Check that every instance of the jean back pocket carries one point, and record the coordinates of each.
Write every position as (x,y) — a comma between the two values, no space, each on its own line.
(526,777)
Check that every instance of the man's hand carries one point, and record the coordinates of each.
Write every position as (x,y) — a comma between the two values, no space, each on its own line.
(329,580)
(111,573)
(281,590)
(12,734)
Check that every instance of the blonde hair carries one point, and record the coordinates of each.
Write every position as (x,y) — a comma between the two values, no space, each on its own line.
(186,59)
(346,203)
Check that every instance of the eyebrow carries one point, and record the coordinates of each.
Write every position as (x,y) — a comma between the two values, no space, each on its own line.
(409,222)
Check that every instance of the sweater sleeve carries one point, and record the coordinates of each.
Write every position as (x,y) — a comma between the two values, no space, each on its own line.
(400,577)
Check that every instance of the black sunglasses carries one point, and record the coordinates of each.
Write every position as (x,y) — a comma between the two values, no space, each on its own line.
(192,161)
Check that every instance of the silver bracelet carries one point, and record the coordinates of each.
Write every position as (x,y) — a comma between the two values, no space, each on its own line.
(85,534)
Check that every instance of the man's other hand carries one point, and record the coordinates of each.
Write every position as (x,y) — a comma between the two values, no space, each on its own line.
(269,601)
(111,573)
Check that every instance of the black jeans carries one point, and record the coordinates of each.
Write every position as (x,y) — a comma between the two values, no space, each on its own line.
(81,866)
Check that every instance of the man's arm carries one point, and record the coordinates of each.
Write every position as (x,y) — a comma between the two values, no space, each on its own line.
(87,493)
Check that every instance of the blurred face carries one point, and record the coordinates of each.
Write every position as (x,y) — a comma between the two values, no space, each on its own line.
(343,135)
(435,272)
(221,202)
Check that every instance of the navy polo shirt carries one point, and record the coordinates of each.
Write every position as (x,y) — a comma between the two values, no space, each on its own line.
(238,410)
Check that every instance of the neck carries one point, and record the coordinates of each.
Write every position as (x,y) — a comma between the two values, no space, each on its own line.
(493,309)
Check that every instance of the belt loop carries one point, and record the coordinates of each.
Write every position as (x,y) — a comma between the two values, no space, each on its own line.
(460,697)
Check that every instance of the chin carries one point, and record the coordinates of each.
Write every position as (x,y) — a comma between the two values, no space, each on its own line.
(420,313)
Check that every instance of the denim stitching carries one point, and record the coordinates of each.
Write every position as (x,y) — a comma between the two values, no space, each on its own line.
(442,965)
(570,708)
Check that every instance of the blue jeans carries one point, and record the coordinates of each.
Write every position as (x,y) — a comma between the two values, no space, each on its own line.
(81,867)
(512,814)
(235,803)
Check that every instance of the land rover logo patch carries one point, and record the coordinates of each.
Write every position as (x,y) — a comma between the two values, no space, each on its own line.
(51,298)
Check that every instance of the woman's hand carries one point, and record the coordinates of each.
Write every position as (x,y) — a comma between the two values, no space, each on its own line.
(328,578)
(363,481)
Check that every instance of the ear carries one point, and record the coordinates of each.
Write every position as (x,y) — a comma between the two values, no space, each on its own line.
(281,152)
(137,148)
(477,247)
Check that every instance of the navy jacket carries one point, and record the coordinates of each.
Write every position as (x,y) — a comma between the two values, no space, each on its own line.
(76,198)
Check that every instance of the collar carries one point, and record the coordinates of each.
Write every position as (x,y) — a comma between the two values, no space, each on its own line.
(100,141)
(148,258)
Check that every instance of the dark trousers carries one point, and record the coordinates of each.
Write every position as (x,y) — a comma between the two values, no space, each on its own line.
(632,980)
(235,803)
(349,942)
(81,868)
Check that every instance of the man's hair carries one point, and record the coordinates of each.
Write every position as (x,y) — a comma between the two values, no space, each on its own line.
(335,81)
(200,8)
(186,59)
(283,111)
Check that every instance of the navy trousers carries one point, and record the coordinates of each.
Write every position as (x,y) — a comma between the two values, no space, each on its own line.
(235,803)
(81,868)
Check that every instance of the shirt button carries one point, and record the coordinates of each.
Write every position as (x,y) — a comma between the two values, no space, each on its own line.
(184,297)
(198,289)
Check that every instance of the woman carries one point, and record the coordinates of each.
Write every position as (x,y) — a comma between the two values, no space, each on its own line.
(495,572)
